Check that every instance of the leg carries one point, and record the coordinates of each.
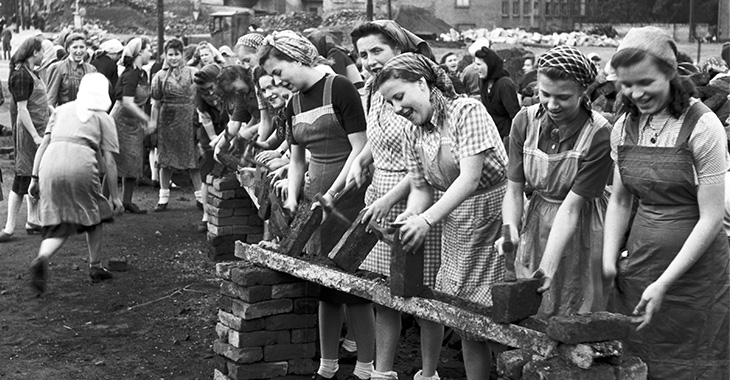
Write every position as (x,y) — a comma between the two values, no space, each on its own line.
(203,226)
(362,323)
(15,200)
(165,177)
(197,186)
(388,326)
(154,171)
(477,359)
(432,334)
(330,325)
(93,239)
(39,266)
(128,184)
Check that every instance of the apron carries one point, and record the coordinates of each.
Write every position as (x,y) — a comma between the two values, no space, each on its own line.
(176,143)
(319,131)
(688,337)
(68,87)
(578,285)
(25,147)
(130,133)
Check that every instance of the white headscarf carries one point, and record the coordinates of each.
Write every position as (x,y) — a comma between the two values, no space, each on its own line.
(93,96)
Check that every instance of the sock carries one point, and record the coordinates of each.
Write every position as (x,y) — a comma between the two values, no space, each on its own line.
(349,345)
(390,375)
(164,196)
(205,217)
(328,368)
(14,202)
(419,376)
(199,196)
(363,370)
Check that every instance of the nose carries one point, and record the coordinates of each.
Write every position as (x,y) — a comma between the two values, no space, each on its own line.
(371,62)
(552,104)
(397,108)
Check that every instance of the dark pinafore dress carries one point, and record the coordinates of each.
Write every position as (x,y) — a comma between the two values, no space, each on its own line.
(688,337)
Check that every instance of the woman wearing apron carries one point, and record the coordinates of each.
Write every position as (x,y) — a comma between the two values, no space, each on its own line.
(65,76)
(29,94)
(376,43)
(453,146)
(132,92)
(671,154)
(560,157)
(172,112)
(332,129)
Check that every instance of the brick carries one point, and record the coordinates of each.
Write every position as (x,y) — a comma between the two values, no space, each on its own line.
(226,183)
(225,303)
(234,229)
(244,211)
(117,264)
(220,365)
(289,351)
(304,335)
(254,239)
(557,369)
(221,250)
(258,338)
(583,355)
(221,331)
(240,324)
(218,375)
(238,355)
(589,327)
(218,212)
(222,194)
(302,366)
(250,294)
(254,220)
(510,363)
(228,220)
(227,203)
(631,368)
(290,321)
(514,301)
(305,222)
(223,270)
(306,306)
(354,246)
(257,370)
(294,290)
(406,270)
(215,241)
(250,311)
(242,193)
(249,275)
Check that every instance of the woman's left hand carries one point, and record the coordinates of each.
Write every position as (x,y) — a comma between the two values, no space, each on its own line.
(117,206)
(34,189)
(266,156)
(413,233)
(650,303)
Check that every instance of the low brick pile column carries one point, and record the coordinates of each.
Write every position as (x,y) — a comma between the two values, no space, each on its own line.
(267,324)
(231,216)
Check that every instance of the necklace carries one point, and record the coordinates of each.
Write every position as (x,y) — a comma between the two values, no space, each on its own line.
(653,140)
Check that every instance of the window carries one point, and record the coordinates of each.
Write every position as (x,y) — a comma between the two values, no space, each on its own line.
(462,3)
(516,8)
(564,8)
(505,7)
(582,7)
(526,7)
(547,8)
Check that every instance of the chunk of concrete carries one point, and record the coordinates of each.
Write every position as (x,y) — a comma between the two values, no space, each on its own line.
(590,327)
(514,301)
(511,363)
(583,355)
(557,369)
(117,264)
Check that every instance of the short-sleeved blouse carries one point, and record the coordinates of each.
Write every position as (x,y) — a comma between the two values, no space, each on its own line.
(128,81)
(382,121)
(21,84)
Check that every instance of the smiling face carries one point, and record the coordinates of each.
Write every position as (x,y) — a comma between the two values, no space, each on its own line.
(77,50)
(560,97)
(409,99)
(173,57)
(482,68)
(452,62)
(275,95)
(374,52)
(646,85)
(247,57)
(285,73)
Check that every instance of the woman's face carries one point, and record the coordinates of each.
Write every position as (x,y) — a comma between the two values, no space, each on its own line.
(409,99)
(277,96)
(482,68)
(247,57)
(452,62)
(208,92)
(645,85)
(374,53)
(145,54)
(173,57)
(285,73)
(527,66)
(560,98)
(206,56)
(77,50)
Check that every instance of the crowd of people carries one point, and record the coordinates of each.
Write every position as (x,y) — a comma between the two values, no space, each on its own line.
(622,215)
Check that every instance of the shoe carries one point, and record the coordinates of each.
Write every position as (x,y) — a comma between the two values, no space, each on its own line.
(199,204)
(203,227)
(352,376)
(38,274)
(133,209)
(99,274)
(347,357)
(33,230)
(317,376)
(161,207)
(4,236)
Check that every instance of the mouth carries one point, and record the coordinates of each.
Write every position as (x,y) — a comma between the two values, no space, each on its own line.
(408,114)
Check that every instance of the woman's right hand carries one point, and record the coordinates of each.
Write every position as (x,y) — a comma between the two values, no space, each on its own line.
(117,206)
(278,174)
(357,173)
(34,189)
(378,211)
(514,236)
(291,205)
(38,140)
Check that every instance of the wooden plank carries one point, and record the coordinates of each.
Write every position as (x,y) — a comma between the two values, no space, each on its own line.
(379,292)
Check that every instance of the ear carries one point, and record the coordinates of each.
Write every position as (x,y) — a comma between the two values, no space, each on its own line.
(422,83)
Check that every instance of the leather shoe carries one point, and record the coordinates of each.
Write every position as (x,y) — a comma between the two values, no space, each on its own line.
(199,204)
(4,236)
(347,357)
(38,274)
(161,207)
(99,274)
(33,229)
(133,209)
(203,227)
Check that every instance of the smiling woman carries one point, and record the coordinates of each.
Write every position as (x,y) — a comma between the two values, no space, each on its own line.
(64,76)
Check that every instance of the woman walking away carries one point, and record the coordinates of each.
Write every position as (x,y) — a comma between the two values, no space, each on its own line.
(70,190)
(671,154)
(29,94)
(172,115)
(132,93)
(453,146)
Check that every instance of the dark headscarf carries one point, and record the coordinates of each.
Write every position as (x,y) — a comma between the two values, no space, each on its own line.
(495,69)
(208,73)
(417,64)
(571,61)
(407,41)
(26,49)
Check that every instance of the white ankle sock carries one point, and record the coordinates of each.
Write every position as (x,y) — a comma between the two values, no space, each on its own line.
(164,196)
(14,202)
(390,375)
(363,370)
(419,376)
(199,196)
(349,345)
(328,368)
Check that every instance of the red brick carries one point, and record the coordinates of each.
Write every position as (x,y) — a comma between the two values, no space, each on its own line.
(225,194)
(304,335)
(257,370)
(221,250)
(218,212)
(258,338)
(239,324)
(224,240)
(249,274)
(226,183)
(302,367)
(238,355)
(306,306)
(583,355)
(220,368)
(234,229)
(514,301)
(294,290)
(242,193)
(223,270)
(510,363)
(250,311)
(250,294)
(589,327)
(209,179)
(225,303)
(289,351)
(290,321)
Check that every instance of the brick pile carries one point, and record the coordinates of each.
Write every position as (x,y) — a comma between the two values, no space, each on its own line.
(231,216)
(267,324)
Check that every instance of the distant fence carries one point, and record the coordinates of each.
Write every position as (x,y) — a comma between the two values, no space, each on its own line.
(679,31)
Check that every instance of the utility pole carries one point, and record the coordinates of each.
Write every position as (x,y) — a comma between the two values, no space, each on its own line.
(160,29)
(390,10)
(692,20)
(369,10)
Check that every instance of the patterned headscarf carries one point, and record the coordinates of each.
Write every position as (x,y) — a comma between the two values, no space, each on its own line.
(406,40)
(251,40)
(420,65)
(293,46)
(571,61)
(132,49)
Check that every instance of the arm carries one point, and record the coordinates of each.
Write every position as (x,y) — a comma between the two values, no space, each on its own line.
(128,103)
(208,126)
(357,141)
(615,225)
(266,127)
(33,189)
(155,115)
(361,162)
(512,207)
(111,172)
(54,82)
(25,120)
(297,168)
(381,207)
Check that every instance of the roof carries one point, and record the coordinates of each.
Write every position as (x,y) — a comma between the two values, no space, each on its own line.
(421,22)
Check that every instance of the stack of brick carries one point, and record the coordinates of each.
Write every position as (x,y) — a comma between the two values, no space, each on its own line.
(267,324)
(231,216)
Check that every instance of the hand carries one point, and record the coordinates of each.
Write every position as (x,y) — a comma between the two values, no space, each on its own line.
(117,206)
(357,173)
(650,303)
(514,236)
(378,211)
(281,188)
(34,189)
(218,147)
(151,127)
(279,174)
(291,205)
(266,156)
(547,280)
(214,140)
(277,163)
(38,140)
(413,233)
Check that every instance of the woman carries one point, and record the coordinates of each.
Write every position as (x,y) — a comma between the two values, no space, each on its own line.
(70,190)
(670,154)
(275,148)
(332,129)
(105,61)
(29,95)
(341,63)
(172,111)
(246,48)
(453,146)
(235,85)
(450,61)
(498,91)
(132,93)
(206,54)
(559,157)
(376,43)
(65,76)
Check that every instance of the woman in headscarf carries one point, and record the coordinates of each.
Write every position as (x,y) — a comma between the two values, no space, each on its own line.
(332,128)
(275,148)
(671,154)
(498,91)
(206,54)
(132,93)
(246,48)
(105,60)
(29,95)
(341,63)
(559,157)
(376,43)
(172,116)
(64,76)
(70,195)
(452,146)
(49,58)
